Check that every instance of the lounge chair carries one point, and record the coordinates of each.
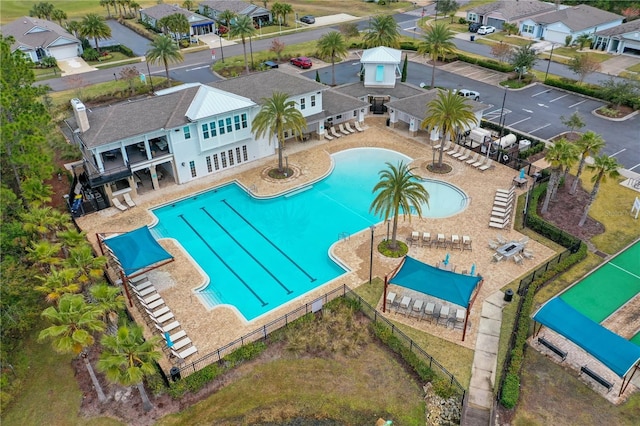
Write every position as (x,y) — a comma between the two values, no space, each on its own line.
(184,354)
(164,318)
(459,322)
(479,163)
(415,238)
(501,209)
(455,242)
(168,327)
(144,292)
(441,242)
(473,159)
(128,200)
(177,345)
(404,304)
(347,126)
(137,279)
(141,286)
(466,242)
(416,309)
(466,153)
(455,149)
(506,191)
(499,225)
(500,219)
(503,204)
(175,336)
(486,165)
(149,299)
(428,310)
(334,133)
(357,126)
(328,137)
(501,239)
(426,239)
(446,147)
(117,204)
(343,130)
(391,298)
(459,153)
(501,214)
(444,315)
(159,313)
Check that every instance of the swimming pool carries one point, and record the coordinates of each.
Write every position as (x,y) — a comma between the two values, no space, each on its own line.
(262,253)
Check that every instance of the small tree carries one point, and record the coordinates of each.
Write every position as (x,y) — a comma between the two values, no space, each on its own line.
(404,69)
(604,167)
(501,51)
(589,144)
(510,28)
(523,58)
(318,77)
(583,65)
(277,47)
(568,40)
(573,122)
(349,29)
(582,40)
(130,75)
(447,8)
(619,91)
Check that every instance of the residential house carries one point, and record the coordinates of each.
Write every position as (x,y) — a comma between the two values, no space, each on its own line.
(199,25)
(507,11)
(38,38)
(624,39)
(558,25)
(381,66)
(213,8)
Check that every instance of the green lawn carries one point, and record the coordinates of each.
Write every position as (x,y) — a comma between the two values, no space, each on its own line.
(503,37)
(75,9)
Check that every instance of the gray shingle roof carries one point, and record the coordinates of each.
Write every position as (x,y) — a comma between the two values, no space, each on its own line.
(262,85)
(578,17)
(21,26)
(514,10)
(335,103)
(129,119)
(163,10)
(417,105)
(236,6)
(401,90)
(627,27)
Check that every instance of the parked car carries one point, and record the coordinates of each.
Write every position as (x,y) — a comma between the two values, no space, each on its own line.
(308,19)
(474,26)
(469,94)
(269,64)
(486,29)
(302,62)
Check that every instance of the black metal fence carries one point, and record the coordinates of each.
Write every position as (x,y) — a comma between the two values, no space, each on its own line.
(370,312)
(525,282)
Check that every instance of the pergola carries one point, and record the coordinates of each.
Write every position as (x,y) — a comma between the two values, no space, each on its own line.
(460,289)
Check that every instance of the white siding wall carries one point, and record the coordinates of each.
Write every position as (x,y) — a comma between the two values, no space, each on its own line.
(371,75)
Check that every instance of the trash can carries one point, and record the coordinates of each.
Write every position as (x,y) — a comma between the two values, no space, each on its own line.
(175,374)
(508,295)
(472,37)
(388,122)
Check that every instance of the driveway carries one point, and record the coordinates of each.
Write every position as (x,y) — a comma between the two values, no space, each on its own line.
(123,35)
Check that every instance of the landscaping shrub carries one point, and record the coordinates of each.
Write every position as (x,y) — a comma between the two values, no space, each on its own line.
(462,20)
(120,48)
(573,86)
(510,391)
(90,54)
(536,147)
(408,45)
(48,62)
(486,63)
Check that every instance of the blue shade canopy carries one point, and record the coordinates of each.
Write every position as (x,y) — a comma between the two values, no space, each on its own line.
(615,352)
(137,250)
(445,285)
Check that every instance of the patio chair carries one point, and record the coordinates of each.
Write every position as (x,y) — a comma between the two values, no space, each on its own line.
(152,305)
(164,318)
(144,292)
(523,240)
(185,354)
(416,309)
(501,239)
(506,191)
(328,137)
(444,315)
(343,130)
(480,162)
(498,225)
(357,126)
(149,299)
(141,286)
(168,327)
(497,258)
(465,154)
(504,198)
(404,305)
(455,149)
(159,313)
(459,153)
(499,214)
(503,204)
(455,242)
(473,159)
(173,337)
(391,298)
(500,219)
(128,200)
(459,322)
(347,126)
(493,244)
(414,238)
(177,345)
(466,242)
(518,259)
(527,254)
(428,310)
(441,242)
(117,204)
(426,239)
(334,133)
(486,165)
(137,279)
(501,209)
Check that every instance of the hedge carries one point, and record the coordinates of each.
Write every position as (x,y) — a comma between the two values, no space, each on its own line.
(486,63)
(120,48)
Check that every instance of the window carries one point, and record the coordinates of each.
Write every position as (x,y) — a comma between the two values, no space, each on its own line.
(215,162)
(238,157)
(229,126)
(355,112)
(527,29)
(380,73)
(192,166)
(223,157)
(221,126)
(209,168)
(212,126)
(187,132)
(302,103)
(245,157)
(338,117)
(205,131)
(313,100)
(244,121)
(230,157)
(236,121)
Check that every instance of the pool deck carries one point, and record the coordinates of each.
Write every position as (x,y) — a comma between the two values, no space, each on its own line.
(212,329)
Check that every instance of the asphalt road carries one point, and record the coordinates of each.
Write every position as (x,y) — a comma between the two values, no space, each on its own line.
(535,110)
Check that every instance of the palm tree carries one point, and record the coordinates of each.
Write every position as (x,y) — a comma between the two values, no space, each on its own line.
(589,144)
(285,10)
(87,266)
(277,114)
(73,27)
(58,15)
(107,3)
(383,31)
(44,254)
(57,284)
(448,113)
(94,26)
(334,46)
(437,43)
(555,157)
(127,358)
(109,300)
(227,16)
(569,158)
(164,50)
(74,321)
(604,167)
(71,238)
(44,221)
(188,4)
(397,189)
(243,28)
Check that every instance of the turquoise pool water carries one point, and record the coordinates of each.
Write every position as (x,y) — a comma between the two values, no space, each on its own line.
(262,253)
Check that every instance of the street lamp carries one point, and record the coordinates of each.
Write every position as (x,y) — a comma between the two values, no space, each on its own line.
(371,259)
(251,50)
(221,52)
(502,118)
(549,63)
(115,77)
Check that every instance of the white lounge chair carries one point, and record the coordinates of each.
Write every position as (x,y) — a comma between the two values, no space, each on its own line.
(348,127)
(164,318)
(501,214)
(506,191)
(149,299)
(343,130)
(473,159)
(168,327)
(499,225)
(459,153)
(426,239)
(357,126)
(466,242)
(486,165)
(128,200)
(416,309)
(186,353)
(159,313)
(479,163)
(117,204)
(504,204)
(415,238)
(175,336)
(391,298)
(453,150)
(177,345)
(334,133)
(328,137)
(153,305)
(466,154)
